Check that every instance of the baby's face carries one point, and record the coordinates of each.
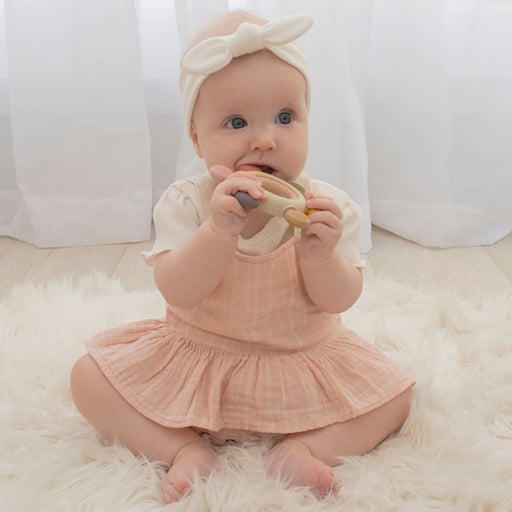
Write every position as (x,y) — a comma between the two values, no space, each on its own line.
(252,115)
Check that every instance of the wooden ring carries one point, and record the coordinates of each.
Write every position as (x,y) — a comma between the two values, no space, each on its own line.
(283,200)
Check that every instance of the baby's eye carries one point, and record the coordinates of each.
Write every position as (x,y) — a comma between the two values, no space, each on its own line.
(236,123)
(284,117)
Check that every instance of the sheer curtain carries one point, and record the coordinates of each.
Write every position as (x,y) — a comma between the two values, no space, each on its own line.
(411,109)
(75,144)
(438,124)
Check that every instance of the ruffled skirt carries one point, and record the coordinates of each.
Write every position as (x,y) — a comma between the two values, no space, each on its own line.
(178,381)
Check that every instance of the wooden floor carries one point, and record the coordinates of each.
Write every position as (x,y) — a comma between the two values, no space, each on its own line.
(470,270)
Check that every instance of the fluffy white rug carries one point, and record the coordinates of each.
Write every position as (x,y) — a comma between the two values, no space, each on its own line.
(453,454)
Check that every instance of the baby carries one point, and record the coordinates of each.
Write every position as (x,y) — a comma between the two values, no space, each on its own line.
(252,341)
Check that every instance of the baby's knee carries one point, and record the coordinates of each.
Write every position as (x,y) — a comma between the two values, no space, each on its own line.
(82,381)
(402,407)
(79,372)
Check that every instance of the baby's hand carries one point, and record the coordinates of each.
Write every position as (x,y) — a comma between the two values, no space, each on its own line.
(228,216)
(319,240)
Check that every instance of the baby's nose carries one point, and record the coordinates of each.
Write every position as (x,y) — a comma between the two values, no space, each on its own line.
(263,140)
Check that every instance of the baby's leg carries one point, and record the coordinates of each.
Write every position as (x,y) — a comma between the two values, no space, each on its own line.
(305,458)
(115,418)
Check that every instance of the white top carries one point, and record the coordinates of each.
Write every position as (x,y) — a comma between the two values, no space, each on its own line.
(185,205)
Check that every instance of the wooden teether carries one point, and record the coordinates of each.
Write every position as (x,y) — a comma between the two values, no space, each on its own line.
(296,219)
(283,200)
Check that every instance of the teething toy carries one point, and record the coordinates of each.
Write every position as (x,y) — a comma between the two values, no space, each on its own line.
(283,200)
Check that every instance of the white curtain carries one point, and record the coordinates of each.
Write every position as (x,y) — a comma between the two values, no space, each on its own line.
(439,118)
(411,113)
(75,146)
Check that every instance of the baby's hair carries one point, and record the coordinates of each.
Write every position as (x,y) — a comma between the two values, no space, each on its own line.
(224,25)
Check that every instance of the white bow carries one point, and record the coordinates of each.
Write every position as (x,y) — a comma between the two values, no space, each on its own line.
(216,53)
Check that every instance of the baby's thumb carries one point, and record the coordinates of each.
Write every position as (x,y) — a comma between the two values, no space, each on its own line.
(220,172)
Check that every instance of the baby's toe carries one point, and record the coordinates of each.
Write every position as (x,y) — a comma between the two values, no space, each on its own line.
(175,490)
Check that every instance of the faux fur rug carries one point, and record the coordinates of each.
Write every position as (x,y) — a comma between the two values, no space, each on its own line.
(453,454)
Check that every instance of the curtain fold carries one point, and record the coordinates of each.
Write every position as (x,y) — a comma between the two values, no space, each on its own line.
(80,141)
(411,113)
(439,110)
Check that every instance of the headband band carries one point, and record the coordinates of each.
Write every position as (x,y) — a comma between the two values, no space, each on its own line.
(215,53)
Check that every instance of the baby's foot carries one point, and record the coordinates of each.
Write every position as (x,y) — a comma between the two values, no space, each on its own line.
(194,458)
(293,462)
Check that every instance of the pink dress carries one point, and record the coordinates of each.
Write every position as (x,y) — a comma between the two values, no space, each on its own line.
(257,355)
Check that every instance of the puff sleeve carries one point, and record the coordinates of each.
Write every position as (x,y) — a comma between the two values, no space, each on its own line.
(177,216)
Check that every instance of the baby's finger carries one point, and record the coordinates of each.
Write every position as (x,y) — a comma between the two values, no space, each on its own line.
(230,204)
(220,172)
(324,203)
(327,218)
(235,184)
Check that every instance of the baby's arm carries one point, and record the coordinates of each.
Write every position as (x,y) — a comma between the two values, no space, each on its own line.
(187,275)
(332,282)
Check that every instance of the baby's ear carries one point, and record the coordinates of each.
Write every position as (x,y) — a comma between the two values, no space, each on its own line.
(219,172)
(195,141)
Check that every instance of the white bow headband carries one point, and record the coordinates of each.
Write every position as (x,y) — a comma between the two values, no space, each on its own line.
(215,53)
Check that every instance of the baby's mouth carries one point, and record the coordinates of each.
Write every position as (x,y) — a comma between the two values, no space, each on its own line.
(257,167)
(266,169)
